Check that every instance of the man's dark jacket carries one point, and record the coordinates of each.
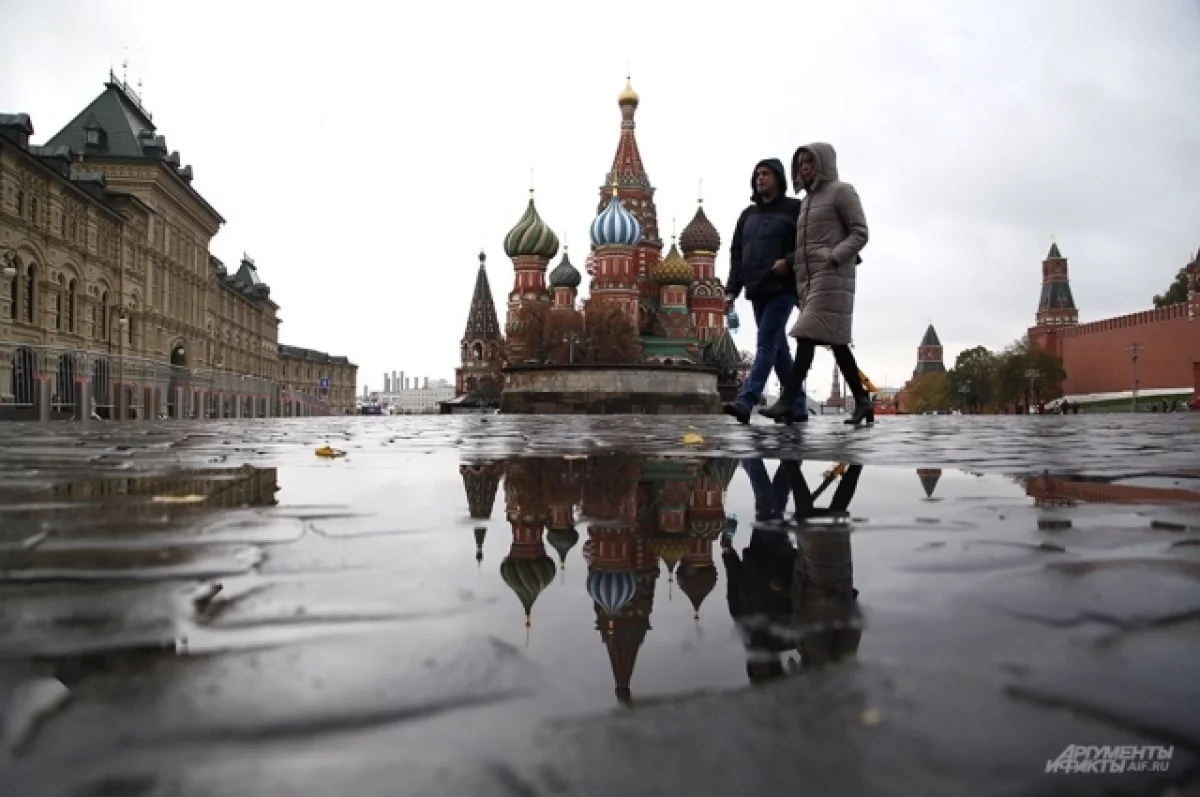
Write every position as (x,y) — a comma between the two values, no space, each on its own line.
(765,233)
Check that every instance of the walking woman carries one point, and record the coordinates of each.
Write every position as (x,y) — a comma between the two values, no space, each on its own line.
(830,232)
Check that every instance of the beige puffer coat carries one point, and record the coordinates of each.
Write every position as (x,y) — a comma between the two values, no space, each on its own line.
(830,232)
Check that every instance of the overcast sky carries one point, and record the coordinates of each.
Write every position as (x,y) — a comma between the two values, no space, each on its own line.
(363,152)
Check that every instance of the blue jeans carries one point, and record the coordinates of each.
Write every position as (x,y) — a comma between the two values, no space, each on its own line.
(771,316)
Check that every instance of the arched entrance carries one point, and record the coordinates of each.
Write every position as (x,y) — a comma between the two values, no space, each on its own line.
(24,365)
(64,385)
(178,388)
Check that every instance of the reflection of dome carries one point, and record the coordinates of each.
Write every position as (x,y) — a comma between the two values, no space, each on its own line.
(672,269)
(697,581)
(562,541)
(531,237)
(615,226)
(565,275)
(707,528)
(699,235)
(480,533)
(528,578)
(612,590)
(671,548)
(722,468)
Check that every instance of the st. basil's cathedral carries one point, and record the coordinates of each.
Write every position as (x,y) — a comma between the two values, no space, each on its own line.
(676,302)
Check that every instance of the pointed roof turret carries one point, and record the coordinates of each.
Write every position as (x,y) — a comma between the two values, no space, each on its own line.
(482,321)
(931,337)
(1054,254)
(627,167)
(481,480)
(929,479)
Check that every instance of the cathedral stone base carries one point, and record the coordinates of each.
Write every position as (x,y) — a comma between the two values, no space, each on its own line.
(610,390)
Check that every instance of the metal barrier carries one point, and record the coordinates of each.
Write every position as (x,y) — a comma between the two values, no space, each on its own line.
(47,382)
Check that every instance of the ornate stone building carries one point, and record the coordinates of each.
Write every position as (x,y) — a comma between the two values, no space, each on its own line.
(335,378)
(106,279)
(676,302)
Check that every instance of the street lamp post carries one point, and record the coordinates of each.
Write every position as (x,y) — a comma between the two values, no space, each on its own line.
(1032,374)
(963,391)
(1134,350)
(570,338)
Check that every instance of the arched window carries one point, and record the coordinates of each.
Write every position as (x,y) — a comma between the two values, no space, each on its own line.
(478,350)
(29,301)
(102,317)
(14,296)
(58,303)
(71,300)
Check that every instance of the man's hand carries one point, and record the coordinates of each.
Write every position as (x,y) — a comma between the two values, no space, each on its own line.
(780,267)
(729,302)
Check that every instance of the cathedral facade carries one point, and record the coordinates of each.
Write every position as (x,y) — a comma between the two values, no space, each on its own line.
(675,303)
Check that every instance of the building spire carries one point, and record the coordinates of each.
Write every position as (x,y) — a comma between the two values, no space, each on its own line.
(482,322)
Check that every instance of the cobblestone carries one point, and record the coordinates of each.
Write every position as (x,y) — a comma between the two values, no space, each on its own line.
(211,609)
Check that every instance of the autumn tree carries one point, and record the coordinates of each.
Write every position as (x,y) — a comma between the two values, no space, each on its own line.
(970,382)
(1026,374)
(563,337)
(609,337)
(1176,292)
(526,339)
(929,393)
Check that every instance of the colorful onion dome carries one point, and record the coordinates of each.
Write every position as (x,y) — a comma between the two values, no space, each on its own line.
(565,275)
(699,235)
(611,590)
(562,541)
(528,578)
(722,469)
(627,96)
(673,269)
(615,226)
(697,581)
(670,548)
(531,237)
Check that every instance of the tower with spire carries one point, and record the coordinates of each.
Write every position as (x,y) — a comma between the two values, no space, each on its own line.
(700,242)
(482,344)
(628,175)
(929,354)
(835,391)
(615,235)
(1056,305)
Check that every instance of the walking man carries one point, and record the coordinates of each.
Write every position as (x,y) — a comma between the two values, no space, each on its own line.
(760,262)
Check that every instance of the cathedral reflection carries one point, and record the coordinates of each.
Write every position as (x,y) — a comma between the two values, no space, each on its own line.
(643,518)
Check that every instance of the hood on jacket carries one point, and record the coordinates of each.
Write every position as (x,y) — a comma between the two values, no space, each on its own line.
(824,159)
(776,167)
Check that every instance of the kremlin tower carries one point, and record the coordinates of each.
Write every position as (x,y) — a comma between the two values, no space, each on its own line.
(929,354)
(1056,305)
(835,391)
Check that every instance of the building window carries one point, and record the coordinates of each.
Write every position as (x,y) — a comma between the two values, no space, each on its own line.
(71,300)
(28,301)
(93,137)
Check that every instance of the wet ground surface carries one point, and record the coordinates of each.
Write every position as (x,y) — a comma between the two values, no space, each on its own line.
(577,606)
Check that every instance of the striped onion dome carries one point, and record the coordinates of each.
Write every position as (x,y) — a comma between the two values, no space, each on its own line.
(673,269)
(531,237)
(615,226)
(528,578)
(565,275)
(612,590)
(699,235)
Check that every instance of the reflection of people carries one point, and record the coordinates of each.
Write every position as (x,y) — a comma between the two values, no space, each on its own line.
(758,583)
(825,606)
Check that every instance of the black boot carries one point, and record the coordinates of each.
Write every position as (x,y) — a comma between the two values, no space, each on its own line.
(864,410)
(782,411)
(739,411)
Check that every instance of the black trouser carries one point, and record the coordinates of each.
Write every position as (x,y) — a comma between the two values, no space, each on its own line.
(805,349)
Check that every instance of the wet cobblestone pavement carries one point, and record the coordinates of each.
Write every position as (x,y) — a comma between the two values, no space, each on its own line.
(491,605)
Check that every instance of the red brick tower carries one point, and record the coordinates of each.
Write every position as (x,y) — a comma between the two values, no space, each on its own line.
(628,174)
(929,354)
(700,242)
(835,391)
(1056,306)
(1193,283)
(531,244)
(615,279)
(482,344)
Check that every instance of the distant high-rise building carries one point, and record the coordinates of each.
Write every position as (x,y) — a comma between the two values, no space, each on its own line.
(426,383)
(386,382)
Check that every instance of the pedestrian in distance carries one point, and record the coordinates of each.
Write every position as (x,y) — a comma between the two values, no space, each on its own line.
(830,232)
(760,258)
